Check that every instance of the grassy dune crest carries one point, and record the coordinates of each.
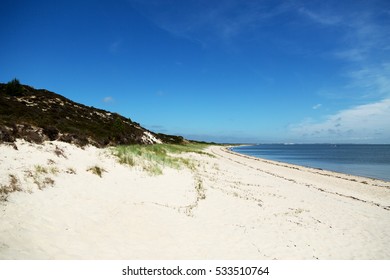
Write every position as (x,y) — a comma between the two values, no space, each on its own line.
(153,158)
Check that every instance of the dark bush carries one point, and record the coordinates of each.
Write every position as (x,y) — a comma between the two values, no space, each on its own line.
(118,125)
(66,138)
(33,136)
(14,88)
(51,132)
(5,136)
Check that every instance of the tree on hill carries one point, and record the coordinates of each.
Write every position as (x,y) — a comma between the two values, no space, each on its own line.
(14,87)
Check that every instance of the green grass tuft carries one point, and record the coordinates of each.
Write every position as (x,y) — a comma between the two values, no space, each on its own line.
(97,170)
(153,158)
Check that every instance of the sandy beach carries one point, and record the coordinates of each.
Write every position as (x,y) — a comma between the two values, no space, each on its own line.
(229,207)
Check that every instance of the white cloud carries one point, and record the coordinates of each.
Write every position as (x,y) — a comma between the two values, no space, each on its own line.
(364,34)
(108,99)
(372,80)
(317,106)
(363,123)
(364,38)
(364,49)
(322,18)
(353,54)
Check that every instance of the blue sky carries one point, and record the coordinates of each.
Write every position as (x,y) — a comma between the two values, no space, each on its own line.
(226,70)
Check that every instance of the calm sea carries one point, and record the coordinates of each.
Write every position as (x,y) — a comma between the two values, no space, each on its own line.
(364,160)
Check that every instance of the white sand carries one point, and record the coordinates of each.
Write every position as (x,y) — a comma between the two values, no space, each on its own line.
(231,207)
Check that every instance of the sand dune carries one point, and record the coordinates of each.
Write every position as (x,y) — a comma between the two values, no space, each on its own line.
(230,207)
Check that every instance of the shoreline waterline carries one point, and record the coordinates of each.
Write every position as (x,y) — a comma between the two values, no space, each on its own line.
(338,158)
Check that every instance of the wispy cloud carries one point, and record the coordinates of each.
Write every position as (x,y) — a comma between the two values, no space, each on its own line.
(373,81)
(364,32)
(352,54)
(115,46)
(108,99)
(363,50)
(321,18)
(317,106)
(361,38)
(365,123)
(205,21)
(157,128)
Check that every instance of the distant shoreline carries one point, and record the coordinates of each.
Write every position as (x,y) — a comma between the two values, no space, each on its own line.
(289,155)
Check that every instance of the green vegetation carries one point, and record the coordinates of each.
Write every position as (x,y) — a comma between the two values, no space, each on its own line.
(39,169)
(40,175)
(70,170)
(14,87)
(97,170)
(153,158)
(13,186)
(38,115)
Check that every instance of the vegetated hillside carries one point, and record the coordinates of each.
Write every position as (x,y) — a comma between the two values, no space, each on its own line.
(37,115)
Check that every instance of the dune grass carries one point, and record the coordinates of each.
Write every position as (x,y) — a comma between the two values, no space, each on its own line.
(97,170)
(153,158)
(13,186)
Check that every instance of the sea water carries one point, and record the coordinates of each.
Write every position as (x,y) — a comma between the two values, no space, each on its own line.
(363,160)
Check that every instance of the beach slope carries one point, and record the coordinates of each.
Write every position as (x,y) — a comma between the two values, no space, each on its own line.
(60,201)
